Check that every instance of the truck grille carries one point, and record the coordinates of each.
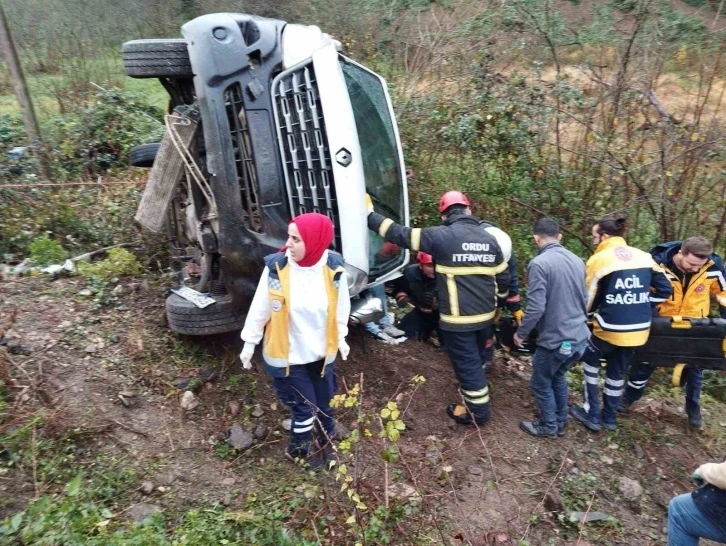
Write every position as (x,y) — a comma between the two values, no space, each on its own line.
(304,145)
(240,138)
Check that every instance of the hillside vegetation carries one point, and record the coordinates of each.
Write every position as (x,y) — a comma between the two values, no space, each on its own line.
(571,109)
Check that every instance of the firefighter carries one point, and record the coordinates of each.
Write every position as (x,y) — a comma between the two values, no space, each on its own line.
(695,273)
(624,284)
(417,287)
(469,267)
(512,300)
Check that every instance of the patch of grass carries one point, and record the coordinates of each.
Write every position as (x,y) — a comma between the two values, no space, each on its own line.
(119,263)
(224,451)
(577,491)
(235,380)
(4,399)
(154,93)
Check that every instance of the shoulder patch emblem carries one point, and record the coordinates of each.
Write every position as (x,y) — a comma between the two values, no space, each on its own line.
(700,288)
(623,254)
(276,305)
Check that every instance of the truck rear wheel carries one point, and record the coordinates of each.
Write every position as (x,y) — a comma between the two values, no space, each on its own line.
(157,59)
(186,318)
(143,155)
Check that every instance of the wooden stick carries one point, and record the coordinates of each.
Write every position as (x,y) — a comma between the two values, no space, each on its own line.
(584,519)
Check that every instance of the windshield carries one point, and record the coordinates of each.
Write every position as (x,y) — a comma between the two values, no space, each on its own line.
(384,181)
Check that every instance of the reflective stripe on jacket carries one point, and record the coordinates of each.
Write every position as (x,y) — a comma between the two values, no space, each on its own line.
(695,301)
(623,285)
(276,347)
(471,271)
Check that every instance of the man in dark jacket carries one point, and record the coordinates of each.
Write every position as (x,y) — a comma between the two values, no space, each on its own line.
(695,273)
(556,306)
(417,287)
(469,269)
(697,515)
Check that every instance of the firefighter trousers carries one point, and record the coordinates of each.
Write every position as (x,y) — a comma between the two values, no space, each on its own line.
(466,351)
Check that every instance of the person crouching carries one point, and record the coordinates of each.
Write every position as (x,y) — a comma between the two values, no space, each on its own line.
(301,306)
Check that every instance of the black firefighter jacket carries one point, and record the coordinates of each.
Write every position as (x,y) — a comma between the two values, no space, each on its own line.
(470,268)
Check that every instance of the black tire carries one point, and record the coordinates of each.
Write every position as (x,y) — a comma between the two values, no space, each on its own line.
(157,59)
(143,155)
(186,318)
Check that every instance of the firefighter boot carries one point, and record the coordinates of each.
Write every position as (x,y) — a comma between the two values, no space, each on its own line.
(463,416)
(300,453)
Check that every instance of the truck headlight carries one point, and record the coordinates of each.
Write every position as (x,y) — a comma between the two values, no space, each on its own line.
(357,279)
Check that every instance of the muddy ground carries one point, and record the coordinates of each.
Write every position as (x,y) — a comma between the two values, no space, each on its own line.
(105,364)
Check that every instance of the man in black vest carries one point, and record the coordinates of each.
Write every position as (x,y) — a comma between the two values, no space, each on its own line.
(470,266)
(417,287)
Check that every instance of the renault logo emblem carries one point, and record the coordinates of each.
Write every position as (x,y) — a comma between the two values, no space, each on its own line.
(343,157)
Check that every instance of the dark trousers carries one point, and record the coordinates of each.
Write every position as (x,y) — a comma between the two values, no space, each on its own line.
(466,351)
(308,396)
(549,385)
(692,378)
(618,360)
(418,325)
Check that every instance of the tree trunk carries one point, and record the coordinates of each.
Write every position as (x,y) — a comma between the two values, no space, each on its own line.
(21,91)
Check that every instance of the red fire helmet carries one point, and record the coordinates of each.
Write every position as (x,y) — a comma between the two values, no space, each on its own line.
(424,258)
(452,198)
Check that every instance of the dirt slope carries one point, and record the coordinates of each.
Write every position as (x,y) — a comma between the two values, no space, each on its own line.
(80,356)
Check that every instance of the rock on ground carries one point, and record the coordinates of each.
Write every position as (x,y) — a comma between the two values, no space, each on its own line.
(239,438)
(143,511)
(630,489)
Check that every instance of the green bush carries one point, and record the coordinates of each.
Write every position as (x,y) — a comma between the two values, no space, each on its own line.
(46,251)
(98,136)
(120,262)
(82,219)
(95,137)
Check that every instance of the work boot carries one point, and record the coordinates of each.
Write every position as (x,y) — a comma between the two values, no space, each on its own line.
(536,429)
(462,415)
(583,418)
(304,458)
(610,427)
(624,405)
(561,428)
(694,417)
(327,453)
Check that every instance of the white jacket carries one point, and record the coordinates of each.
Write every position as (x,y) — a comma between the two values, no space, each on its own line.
(308,308)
